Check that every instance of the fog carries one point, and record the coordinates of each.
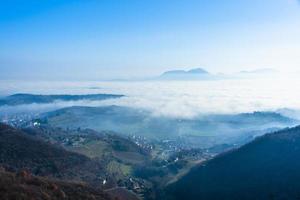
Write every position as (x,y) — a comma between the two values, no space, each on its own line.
(179,99)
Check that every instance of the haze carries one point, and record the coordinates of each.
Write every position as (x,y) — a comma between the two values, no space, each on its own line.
(100,40)
(180,99)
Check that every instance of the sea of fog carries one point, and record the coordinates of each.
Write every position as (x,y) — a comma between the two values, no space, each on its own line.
(183,99)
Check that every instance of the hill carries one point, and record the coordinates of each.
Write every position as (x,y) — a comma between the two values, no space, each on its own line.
(210,130)
(23,185)
(192,71)
(20,151)
(193,74)
(68,155)
(116,154)
(267,168)
(18,99)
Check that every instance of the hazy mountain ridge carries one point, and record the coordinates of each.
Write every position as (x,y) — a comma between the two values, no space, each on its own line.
(202,74)
(193,74)
(130,121)
(259,71)
(192,71)
(19,99)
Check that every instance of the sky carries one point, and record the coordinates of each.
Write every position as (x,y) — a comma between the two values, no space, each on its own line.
(107,39)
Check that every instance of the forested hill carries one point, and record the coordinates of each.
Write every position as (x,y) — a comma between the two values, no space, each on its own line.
(267,168)
(23,185)
(20,151)
(19,99)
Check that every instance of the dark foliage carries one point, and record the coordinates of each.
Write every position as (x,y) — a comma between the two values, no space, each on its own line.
(24,186)
(267,168)
(20,151)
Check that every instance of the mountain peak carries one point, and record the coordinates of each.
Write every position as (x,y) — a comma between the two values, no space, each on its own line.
(191,71)
(196,73)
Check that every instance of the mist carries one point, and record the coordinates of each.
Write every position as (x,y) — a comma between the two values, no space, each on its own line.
(176,99)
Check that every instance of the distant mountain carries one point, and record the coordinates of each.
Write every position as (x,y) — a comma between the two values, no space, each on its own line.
(18,99)
(193,74)
(291,113)
(201,74)
(259,71)
(267,168)
(192,71)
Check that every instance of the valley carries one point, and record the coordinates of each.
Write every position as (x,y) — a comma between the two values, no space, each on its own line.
(149,100)
(124,152)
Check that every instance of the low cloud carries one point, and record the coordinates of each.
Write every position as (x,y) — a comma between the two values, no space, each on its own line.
(182,99)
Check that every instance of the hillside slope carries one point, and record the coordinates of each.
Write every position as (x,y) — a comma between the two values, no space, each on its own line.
(118,155)
(30,153)
(267,168)
(24,186)
(20,151)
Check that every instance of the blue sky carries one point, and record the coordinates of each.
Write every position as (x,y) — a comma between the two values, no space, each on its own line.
(102,39)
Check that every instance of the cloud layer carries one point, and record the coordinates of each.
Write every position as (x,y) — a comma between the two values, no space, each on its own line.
(173,99)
